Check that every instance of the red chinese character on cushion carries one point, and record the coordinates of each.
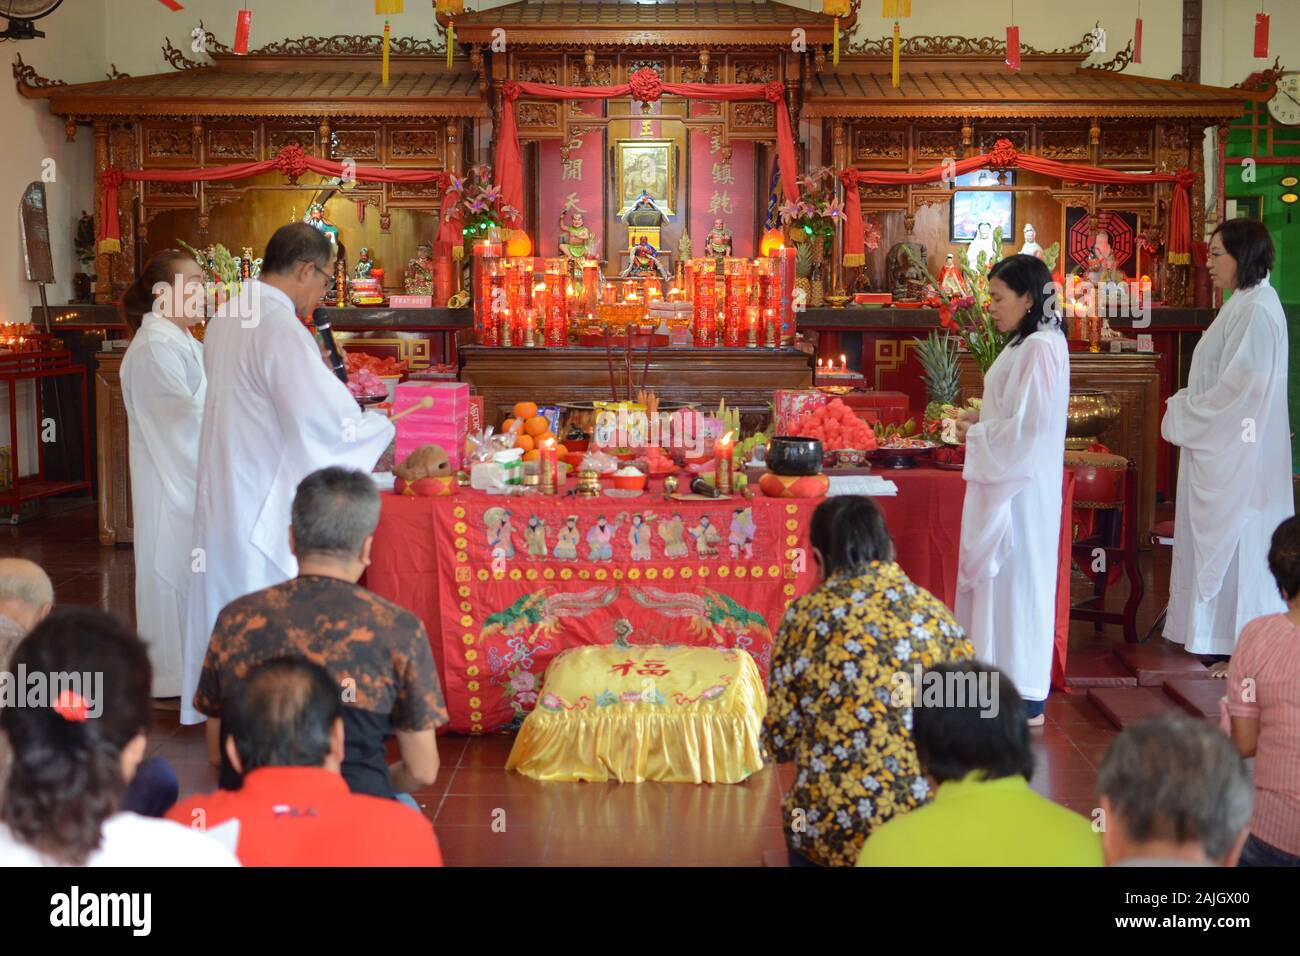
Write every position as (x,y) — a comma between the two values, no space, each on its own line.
(653,668)
(625,667)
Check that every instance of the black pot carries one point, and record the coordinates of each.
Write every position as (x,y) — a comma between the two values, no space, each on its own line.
(794,455)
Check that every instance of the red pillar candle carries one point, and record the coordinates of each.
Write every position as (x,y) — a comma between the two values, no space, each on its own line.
(706,328)
(489,292)
(549,467)
(441,280)
(591,286)
(722,450)
(785,257)
(557,312)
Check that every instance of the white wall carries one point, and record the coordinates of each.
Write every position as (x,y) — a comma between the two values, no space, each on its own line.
(75,51)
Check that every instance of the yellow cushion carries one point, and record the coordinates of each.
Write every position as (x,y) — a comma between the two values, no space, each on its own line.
(675,714)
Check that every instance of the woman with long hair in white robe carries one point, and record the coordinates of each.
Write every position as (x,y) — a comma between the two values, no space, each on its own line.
(1234,470)
(1015,460)
(163,389)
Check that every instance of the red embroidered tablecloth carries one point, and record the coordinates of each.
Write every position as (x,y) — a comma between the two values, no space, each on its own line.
(707,573)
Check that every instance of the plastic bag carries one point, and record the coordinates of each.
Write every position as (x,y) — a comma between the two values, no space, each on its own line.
(598,462)
(480,447)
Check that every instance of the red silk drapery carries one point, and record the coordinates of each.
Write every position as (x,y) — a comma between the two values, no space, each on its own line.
(1004,156)
(645,86)
(292,161)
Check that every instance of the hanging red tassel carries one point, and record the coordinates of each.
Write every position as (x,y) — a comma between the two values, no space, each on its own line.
(1013,48)
(1137,41)
(1261,36)
(171,5)
(243,26)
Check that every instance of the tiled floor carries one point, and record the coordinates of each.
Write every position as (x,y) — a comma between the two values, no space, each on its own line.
(485,816)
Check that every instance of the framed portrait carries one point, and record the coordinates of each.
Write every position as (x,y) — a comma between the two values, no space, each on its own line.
(969,208)
(1108,237)
(645,164)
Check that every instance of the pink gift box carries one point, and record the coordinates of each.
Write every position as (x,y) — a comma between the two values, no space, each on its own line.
(443,423)
(789,405)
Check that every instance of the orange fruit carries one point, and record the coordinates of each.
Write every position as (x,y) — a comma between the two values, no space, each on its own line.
(525,442)
(508,424)
(537,425)
(532,455)
(525,410)
(540,440)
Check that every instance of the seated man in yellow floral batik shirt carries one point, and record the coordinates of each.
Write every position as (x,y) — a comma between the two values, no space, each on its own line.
(839,697)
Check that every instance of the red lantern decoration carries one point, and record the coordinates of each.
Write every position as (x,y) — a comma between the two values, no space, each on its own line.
(243,26)
(772,240)
(519,245)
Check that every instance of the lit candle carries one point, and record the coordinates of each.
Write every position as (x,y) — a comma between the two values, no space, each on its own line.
(722,462)
(751,319)
(549,465)
(844,366)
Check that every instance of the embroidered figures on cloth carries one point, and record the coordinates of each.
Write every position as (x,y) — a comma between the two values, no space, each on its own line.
(500,535)
(742,532)
(639,537)
(535,537)
(673,531)
(566,542)
(706,538)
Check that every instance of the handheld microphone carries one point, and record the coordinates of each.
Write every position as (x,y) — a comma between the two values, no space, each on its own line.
(321,320)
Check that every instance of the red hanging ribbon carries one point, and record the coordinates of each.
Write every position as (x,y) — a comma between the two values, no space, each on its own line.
(243,26)
(171,5)
(1137,41)
(1013,49)
(1261,36)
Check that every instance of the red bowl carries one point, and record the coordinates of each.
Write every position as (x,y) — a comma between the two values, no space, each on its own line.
(576,444)
(630,482)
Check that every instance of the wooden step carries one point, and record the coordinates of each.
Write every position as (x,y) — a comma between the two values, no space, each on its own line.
(1097,668)
(1160,661)
(1198,697)
(1124,706)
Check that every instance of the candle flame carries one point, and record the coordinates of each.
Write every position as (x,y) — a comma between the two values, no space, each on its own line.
(539,287)
(548,443)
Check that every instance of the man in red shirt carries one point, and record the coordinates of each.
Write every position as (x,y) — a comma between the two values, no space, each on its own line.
(285,723)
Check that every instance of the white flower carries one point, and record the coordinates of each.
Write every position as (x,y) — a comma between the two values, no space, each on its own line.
(903,649)
(850,671)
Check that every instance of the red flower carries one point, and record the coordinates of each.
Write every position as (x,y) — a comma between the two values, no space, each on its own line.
(945,318)
(646,85)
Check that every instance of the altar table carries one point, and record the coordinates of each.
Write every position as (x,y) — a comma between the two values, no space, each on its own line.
(496,621)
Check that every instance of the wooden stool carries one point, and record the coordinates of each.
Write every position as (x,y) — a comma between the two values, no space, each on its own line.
(1163,535)
(1107,485)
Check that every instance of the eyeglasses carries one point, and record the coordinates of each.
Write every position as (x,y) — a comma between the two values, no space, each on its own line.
(328,277)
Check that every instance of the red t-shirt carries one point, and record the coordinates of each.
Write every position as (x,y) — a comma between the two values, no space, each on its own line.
(306,816)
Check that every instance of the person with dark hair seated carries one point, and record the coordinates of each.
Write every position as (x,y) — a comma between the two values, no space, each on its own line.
(26,599)
(284,733)
(1264,710)
(1234,469)
(834,703)
(1174,792)
(377,652)
(76,744)
(973,743)
(1011,520)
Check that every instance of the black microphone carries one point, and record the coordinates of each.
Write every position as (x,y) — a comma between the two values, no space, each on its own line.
(321,320)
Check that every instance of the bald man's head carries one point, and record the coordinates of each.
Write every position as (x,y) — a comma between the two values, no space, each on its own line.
(26,594)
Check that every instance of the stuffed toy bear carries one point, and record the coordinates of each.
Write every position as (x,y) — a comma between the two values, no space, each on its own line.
(426,473)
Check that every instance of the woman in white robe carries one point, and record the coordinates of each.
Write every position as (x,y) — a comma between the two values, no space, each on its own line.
(1234,470)
(163,389)
(1015,459)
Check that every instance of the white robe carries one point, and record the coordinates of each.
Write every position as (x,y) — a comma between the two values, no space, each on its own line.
(1234,487)
(163,388)
(1011,519)
(274,415)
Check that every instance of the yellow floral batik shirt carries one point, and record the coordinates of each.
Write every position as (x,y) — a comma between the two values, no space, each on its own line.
(831,705)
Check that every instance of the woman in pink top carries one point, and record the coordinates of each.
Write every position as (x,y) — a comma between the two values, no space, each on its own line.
(1264,705)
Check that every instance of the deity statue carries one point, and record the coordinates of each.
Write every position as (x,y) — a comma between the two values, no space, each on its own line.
(683,253)
(316,218)
(718,242)
(1031,246)
(951,279)
(577,242)
(645,261)
(905,271)
(982,244)
(364,264)
(646,212)
(1102,266)
(418,279)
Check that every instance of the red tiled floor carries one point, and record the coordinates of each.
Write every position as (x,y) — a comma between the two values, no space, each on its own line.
(1129,705)
(575,823)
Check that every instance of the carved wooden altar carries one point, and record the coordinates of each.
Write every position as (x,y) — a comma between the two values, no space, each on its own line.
(323,93)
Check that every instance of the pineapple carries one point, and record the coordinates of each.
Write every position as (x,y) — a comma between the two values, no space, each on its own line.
(803,266)
(939,362)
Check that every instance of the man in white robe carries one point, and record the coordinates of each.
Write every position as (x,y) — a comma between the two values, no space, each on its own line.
(274,414)
(1234,471)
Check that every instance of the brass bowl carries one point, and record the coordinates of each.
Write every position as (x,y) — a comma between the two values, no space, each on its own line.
(1091,412)
(837,301)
